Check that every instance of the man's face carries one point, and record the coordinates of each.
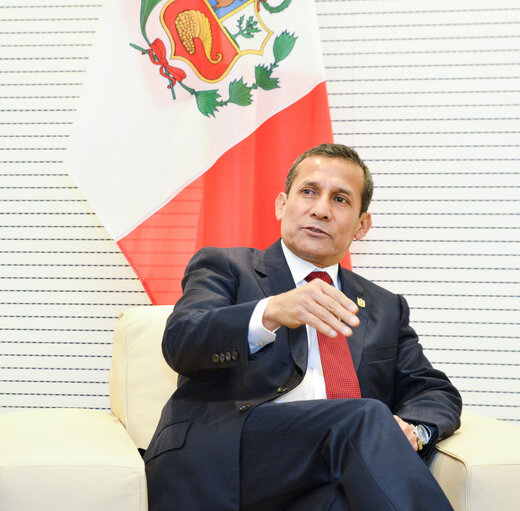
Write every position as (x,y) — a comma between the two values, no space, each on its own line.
(320,215)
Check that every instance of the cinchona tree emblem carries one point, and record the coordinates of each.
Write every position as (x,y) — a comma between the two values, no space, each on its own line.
(210,36)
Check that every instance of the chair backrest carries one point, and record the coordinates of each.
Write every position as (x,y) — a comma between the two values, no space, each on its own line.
(140,380)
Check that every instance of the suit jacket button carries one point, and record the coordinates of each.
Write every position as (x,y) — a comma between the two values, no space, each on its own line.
(234,355)
(228,356)
(244,408)
(281,390)
(215,358)
(222,357)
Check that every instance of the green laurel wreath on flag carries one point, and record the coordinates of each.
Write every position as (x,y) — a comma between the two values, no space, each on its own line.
(278,8)
(240,93)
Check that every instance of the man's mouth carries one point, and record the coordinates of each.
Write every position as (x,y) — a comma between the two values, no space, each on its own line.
(316,230)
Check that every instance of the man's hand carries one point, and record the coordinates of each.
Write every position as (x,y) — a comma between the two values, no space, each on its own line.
(408,431)
(316,304)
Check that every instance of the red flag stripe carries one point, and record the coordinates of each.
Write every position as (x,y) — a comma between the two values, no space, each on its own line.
(252,173)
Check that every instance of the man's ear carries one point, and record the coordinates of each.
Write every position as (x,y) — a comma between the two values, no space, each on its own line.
(280,205)
(365,223)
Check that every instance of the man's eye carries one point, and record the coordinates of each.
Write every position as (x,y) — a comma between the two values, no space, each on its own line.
(342,200)
(306,191)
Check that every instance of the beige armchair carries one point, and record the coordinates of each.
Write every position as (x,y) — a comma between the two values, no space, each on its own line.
(86,460)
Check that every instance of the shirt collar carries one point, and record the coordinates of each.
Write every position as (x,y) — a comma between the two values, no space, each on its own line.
(300,268)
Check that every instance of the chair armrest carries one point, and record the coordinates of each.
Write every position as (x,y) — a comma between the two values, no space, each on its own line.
(63,459)
(478,467)
(140,379)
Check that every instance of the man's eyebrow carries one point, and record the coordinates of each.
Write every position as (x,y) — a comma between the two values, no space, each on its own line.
(344,191)
(317,184)
(310,183)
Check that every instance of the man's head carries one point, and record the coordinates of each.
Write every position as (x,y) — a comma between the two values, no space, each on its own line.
(336,151)
(324,207)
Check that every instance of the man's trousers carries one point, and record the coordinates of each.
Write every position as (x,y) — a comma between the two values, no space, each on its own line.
(332,455)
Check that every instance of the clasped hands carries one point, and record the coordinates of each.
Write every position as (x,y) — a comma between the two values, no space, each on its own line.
(324,308)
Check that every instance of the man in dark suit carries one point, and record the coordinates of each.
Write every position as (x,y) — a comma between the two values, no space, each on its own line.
(275,410)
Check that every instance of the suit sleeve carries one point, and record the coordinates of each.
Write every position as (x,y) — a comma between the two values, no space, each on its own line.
(207,330)
(422,394)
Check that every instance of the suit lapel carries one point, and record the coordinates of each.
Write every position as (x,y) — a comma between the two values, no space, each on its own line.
(272,271)
(356,293)
(274,277)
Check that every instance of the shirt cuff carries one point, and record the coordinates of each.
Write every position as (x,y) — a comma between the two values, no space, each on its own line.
(258,336)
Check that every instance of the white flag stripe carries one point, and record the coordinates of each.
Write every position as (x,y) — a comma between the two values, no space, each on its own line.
(135,148)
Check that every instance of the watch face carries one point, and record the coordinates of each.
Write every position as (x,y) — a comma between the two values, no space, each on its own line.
(422,433)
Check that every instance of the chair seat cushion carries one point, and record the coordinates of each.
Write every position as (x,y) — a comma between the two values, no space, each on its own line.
(64,459)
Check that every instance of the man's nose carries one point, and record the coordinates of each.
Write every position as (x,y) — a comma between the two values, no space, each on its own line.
(321,208)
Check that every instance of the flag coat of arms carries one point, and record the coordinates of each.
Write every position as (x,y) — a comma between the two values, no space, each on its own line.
(191,115)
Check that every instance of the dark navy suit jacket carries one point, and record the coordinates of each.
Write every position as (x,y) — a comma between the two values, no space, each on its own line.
(193,459)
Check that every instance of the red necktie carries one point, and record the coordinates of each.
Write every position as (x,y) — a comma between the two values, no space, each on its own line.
(341,380)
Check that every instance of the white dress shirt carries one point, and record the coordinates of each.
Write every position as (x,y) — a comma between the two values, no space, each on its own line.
(313,384)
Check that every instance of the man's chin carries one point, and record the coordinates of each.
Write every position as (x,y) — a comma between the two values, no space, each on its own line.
(315,255)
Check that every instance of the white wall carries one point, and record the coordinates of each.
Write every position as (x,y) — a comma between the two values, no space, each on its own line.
(428,92)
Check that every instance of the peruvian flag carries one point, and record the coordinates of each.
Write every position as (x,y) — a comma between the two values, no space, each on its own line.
(192,114)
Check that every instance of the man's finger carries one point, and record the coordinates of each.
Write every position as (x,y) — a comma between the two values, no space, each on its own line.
(316,304)
(325,315)
(334,305)
(330,328)
(338,296)
(408,430)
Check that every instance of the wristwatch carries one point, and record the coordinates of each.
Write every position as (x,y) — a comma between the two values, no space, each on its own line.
(422,434)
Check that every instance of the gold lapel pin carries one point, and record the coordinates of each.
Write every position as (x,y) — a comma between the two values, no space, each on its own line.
(361,302)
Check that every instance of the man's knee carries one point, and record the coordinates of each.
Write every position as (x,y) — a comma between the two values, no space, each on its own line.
(375,408)
(369,411)
(357,423)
